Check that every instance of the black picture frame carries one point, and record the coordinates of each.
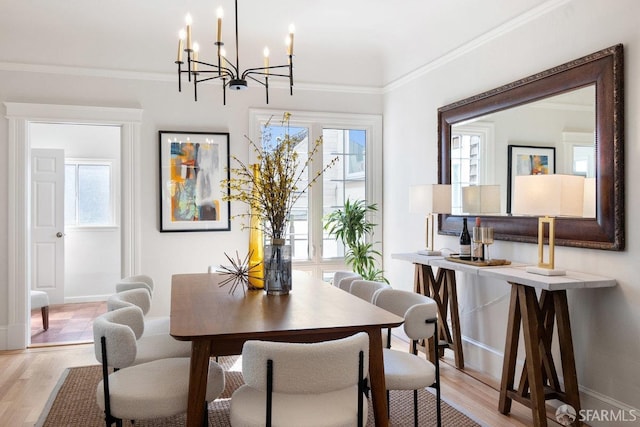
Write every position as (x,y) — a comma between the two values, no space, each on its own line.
(192,167)
(528,160)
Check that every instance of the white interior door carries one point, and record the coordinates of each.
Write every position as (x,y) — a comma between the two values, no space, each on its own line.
(47,222)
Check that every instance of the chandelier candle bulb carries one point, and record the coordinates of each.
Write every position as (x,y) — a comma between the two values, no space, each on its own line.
(181,36)
(220,14)
(196,49)
(189,21)
(292,29)
(266,60)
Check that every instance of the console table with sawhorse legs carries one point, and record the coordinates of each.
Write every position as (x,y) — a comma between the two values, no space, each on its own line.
(539,380)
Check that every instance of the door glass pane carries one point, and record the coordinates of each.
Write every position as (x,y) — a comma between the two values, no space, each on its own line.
(346,180)
(94,195)
(298,236)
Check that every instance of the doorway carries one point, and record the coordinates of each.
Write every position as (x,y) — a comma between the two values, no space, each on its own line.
(20,117)
(76,248)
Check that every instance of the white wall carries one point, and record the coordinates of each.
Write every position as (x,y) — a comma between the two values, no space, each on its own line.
(605,322)
(92,255)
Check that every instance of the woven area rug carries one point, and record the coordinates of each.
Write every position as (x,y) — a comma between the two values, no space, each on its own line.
(73,403)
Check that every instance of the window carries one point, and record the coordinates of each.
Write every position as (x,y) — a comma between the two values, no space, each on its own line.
(471,163)
(356,140)
(88,194)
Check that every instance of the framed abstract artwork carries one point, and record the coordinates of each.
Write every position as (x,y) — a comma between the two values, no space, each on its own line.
(528,160)
(192,166)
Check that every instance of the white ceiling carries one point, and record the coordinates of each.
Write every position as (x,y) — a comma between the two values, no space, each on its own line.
(369,43)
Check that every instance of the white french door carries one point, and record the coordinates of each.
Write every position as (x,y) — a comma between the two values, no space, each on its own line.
(356,140)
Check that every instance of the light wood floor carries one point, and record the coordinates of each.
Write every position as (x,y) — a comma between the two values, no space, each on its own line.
(27,378)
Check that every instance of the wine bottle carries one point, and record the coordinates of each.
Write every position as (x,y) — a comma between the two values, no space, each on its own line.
(465,241)
(478,247)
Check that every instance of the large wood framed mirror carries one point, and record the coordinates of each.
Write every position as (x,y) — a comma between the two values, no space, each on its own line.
(573,113)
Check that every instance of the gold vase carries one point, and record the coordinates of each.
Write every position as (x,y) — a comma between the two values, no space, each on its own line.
(256,243)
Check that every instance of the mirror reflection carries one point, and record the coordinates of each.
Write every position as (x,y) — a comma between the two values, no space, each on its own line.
(551,135)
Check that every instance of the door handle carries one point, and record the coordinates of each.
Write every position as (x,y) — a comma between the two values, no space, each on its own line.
(59,234)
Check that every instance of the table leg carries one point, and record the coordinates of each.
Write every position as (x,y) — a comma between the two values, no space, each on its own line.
(376,378)
(450,276)
(531,329)
(510,352)
(198,374)
(566,351)
(442,289)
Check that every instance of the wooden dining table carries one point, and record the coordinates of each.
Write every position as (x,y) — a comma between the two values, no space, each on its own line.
(218,323)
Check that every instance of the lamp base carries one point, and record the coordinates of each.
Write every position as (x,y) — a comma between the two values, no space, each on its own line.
(428,252)
(546,271)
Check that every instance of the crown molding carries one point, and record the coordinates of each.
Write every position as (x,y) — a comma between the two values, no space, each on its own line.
(171,78)
(483,39)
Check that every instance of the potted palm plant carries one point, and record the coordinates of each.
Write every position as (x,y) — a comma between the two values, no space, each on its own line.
(352,226)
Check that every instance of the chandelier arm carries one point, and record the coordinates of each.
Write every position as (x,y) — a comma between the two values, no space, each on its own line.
(233,71)
(261,71)
(254,79)
(223,70)
(210,78)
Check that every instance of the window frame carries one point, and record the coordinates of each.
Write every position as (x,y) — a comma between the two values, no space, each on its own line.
(113,186)
(315,122)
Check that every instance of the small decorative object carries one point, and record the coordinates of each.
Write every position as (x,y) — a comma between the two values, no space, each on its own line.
(256,241)
(271,189)
(239,273)
(277,267)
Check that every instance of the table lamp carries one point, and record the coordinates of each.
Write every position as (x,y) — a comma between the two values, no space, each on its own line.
(548,196)
(481,199)
(432,199)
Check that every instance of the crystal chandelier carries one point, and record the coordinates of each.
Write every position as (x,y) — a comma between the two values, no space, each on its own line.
(199,71)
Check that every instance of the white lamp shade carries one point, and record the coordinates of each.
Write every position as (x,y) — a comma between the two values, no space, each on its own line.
(552,195)
(430,198)
(589,206)
(481,199)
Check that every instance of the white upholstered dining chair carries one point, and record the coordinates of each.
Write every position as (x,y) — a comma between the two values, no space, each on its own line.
(343,279)
(140,298)
(407,370)
(366,289)
(148,347)
(136,282)
(298,385)
(133,391)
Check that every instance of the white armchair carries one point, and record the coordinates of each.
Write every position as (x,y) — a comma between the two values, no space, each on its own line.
(141,391)
(366,289)
(140,298)
(343,279)
(136,282)
(406,370)
(303,384)
(148,347)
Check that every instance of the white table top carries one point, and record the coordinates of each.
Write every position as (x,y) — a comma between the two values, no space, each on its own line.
(514,273)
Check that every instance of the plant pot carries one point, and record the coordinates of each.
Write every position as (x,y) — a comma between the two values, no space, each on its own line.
(277,268)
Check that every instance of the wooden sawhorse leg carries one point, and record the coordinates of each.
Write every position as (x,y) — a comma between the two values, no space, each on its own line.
(539,379)
(442,289)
